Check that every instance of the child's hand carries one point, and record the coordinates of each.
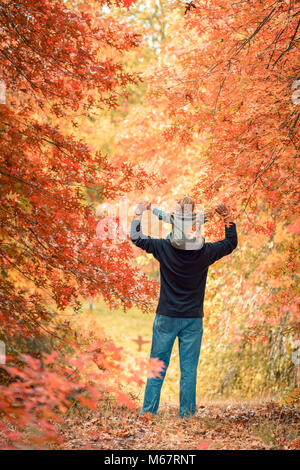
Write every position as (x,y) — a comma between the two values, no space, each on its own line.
(143,206)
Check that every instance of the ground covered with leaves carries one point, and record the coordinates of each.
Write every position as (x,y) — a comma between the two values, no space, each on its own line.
(215,426)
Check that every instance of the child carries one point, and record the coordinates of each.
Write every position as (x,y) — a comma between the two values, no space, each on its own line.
(187,227)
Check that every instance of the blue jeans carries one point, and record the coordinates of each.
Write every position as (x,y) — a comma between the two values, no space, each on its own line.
(165,331)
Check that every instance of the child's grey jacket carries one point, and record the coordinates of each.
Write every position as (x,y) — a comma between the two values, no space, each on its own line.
(186,229)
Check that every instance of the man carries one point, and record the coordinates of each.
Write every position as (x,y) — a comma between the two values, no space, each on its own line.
(179,312)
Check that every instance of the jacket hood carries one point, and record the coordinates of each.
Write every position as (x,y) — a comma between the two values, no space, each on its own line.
(195,243)
(187,232)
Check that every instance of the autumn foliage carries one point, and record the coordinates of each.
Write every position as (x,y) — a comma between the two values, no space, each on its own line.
(57,63)
(86,373)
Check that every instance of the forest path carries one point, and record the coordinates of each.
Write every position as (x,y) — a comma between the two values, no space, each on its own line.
(215,426)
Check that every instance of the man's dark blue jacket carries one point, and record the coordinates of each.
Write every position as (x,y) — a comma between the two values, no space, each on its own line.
(183,273)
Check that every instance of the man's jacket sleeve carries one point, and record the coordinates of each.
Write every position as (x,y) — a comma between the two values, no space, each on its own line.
(224,247)
(149,244)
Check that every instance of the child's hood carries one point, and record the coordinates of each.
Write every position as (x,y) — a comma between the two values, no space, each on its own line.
(187,233)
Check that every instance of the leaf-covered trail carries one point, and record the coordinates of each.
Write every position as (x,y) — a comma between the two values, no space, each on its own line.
(215,426)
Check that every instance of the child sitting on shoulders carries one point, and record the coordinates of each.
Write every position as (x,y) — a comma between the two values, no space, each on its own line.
(187,226)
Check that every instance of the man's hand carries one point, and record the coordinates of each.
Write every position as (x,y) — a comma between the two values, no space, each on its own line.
(223,211)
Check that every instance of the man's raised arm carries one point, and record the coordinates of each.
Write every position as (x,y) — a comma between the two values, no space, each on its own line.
(141,240)
(224,247)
